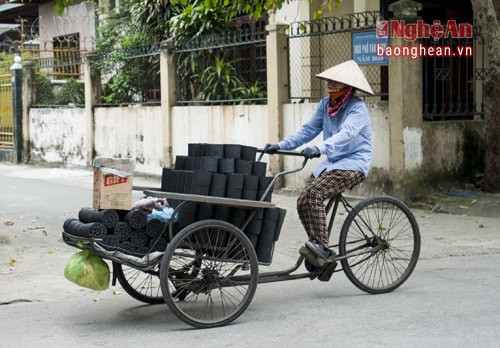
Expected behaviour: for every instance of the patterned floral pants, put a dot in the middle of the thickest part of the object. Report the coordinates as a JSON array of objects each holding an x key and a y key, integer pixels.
[{"x": 311, "y": 202}]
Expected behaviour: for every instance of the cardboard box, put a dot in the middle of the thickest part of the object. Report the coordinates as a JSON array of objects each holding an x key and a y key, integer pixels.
[{"x": 113, "y": 181}]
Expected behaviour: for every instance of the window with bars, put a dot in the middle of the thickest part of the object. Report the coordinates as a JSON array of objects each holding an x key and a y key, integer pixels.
[{"x": 67, "y": 56}]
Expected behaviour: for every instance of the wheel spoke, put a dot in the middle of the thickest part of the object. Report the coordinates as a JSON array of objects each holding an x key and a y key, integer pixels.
[
  {"x": 387, "y": 229},
  {"x": 207, "y": 295},
  {"x": 141, "y": 285}
]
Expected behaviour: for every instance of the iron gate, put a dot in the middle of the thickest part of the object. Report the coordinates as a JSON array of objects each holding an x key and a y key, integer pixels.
[{"x": 6, "y": 117}]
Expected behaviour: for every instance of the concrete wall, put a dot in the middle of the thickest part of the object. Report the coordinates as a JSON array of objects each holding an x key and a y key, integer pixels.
[
  {"x": 77, "y": 18},
  {"x": 58, "y": 135},
  {"x": 445, "y": 149}
]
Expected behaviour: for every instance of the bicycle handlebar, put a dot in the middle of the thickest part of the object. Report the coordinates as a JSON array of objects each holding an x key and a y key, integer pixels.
[
  {"x": 285, "y": 172},
  {"x": 282, "y": 152}
]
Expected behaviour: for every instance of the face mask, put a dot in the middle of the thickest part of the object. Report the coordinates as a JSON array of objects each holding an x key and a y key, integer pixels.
[{"x": 338, "y": 94}]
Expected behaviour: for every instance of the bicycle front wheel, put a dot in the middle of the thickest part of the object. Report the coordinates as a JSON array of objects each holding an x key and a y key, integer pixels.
[
  {"x": 209, "y": 273},
  {"x": 380, "y": 241}
]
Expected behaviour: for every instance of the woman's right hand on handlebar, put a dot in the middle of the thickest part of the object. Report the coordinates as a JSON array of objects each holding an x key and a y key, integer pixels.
[
  {"x": 311, "y": 152},
  {"x": 271, "y": 148}
]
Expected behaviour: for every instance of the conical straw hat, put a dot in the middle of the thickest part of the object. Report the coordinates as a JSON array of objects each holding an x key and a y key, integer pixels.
[{"x": 348, "y": 73}]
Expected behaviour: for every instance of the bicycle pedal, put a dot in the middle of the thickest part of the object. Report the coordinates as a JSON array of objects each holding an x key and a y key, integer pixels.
[
  {"x": 311, "y": 256},
  {"x": 326, "y": 272}
]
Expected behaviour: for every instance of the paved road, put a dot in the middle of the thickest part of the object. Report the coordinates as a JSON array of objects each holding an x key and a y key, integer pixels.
[{"x": 452, "y": 299}]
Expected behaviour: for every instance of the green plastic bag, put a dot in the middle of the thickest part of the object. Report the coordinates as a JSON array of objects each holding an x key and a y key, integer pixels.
[{"x": 88, "y": 270}]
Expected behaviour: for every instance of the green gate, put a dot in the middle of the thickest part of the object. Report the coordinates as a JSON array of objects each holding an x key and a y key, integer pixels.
[{"x": 6, "y": 117}]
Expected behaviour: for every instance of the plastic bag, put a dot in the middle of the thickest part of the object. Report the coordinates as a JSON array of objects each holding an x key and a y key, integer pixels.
[
  {"x": 88, "y": 270},
  {"x": 148, "y": 204},
  {"x": 163, "y": 215}
]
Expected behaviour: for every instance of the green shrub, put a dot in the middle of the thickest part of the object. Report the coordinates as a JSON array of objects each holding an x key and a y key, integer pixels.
[
  {"x": 72, "y": 92},
  {"x": 44, "y": 93}
]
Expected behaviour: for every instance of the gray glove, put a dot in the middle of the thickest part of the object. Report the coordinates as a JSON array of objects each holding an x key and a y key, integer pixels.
[
  {"x": 311, "y": 152},
  {"x": 271, "y": 148}
]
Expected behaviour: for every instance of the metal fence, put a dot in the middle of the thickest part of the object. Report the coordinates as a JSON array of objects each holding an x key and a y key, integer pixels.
[
  {"x": 6, "y": 126},
  {"x": 130, "y": 75},
  {"x": 58, "y": 64},
  {"x": 59, "y": 59},
  {"x": 223, "y": 69},
  {"x": 316, "y": 45}
]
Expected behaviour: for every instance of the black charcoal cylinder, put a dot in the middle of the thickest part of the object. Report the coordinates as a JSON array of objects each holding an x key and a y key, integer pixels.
[
  {"x": 136, "y": 219},
  {"x": 250, "y": 187},
  {"x": 180, "y": 181},
  {"x": 243, "y": 167},
  {"x": 122, "y": 231},
  {"x": 234, "y": 185},
  {"x": 70, "y": 226},
  {"x": 139, "y": 238},
  {"x": 180, "y": 162},
  {"x": 264, "y": 182},
  {"x": 215, "y": 150},
  {"x": 259, "y": 168},
  {"x": 192, "y": 163},
  {"x": 218, "y": 185},
  {"x": 222, "y": 212},
  {"x": 238, "y": 216},
  {"x": 187, "y": 215},
  {"x": 204, "y": 212},
  {"x": 264, "y": 252},
  {"x": 111, "y": 241},
  {"x": 272, "y": 223},
  {"x": 197, "y": 149},
  {"x": 94, "y": 230},
  {"x": 142, "y": 250},
  {"x": 155, "y": 227},
  {"x": 158, "y": 244},
  {"x": 209, "y": 164},
  {"x": 255, "y": 225},
  {"x": 248, "y": 153},
  {"x": 168, "y": 180},
  {"x": 201, "y": 183},
  {"x": 227, "y": 165},
  {"x": 127, "y": 246},
  {"x": 254, "y": 238},
  {"x": 232, "y": 151},
  {"x": 107, "y": 217},
  {"x": 188, "y": 181}
]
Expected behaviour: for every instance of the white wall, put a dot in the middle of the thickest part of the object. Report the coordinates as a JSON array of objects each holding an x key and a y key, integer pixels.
[
  {"x": 134, "y": 131},
  {"x": 77, "y": 18},
  {"x": 238, "y": 124},
  {"x": 58, "y": 135}
]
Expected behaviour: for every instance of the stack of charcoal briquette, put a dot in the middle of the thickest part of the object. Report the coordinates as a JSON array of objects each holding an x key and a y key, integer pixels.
[
  {"x": 231, "y": 171},
  {"x": 129, "y": 231}
]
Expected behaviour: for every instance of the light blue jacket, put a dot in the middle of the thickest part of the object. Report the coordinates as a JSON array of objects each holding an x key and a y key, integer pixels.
[{"x": 347, "y": 137}]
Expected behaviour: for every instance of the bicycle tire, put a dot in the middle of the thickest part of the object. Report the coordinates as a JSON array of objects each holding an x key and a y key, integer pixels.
[
  {"x": 143, "y": 286},
  {"x": 209, "y": 274},
  {"x": 386, "y": 223}
]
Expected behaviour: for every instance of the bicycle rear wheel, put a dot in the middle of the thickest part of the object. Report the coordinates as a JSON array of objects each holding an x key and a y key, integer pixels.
[
  {"x": 382, "y": 241},
  {"x": 209, "y": 274}
]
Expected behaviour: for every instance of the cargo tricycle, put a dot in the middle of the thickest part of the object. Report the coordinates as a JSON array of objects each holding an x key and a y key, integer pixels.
[{"x": 209, "y": 272}]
